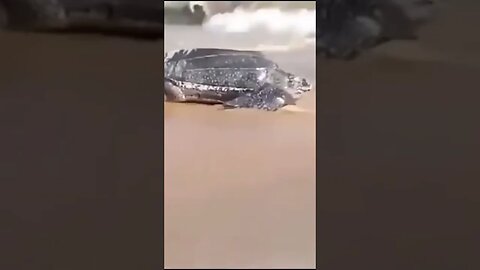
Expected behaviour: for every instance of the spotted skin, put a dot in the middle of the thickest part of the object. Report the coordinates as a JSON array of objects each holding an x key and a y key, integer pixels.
[{"x": 236, "y": 79}]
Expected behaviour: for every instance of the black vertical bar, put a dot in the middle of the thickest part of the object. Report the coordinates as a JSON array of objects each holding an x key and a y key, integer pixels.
[
  {"x": 162, "y": 98},
  {"x": 318, "y": 14}
]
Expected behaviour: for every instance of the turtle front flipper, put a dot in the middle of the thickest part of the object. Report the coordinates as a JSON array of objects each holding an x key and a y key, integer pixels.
[
  {"x": 268, "y": 98},
  {"x": 239, "y": 102}
]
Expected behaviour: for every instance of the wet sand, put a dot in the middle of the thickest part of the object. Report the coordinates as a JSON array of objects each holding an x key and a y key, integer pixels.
[
  {"x": 240, "y": 184},
  {"x": 239, "y": 188}
]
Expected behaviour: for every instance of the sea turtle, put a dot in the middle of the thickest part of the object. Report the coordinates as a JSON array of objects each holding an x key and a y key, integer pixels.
[{"x": 233, "y": 78}]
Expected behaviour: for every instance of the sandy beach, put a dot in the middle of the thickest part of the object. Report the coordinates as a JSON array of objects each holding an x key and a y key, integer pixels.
[
  {"x": 240, "y": 184},
  {"x": 381, "y": 117}
]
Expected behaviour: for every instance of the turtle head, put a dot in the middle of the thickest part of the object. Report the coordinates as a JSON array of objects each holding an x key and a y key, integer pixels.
[{"x": 297, "y": 86}]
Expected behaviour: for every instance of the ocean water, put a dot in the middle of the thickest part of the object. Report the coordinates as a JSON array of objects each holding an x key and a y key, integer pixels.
[
  {"x": 265, "y": 26},
  {"x": 291, "y": 25}
]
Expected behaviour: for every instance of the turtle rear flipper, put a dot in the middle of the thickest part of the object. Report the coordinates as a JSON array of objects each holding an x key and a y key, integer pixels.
[{"x": 173, "y": 93}]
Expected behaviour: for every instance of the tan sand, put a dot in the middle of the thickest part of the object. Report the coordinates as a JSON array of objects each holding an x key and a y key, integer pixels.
[
  {"x": 240, "y": 184},
  {"x": 239, "y": 188}
]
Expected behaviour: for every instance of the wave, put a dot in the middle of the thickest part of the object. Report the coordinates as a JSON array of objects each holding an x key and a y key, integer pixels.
[{"x": 291, "y": 25}]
